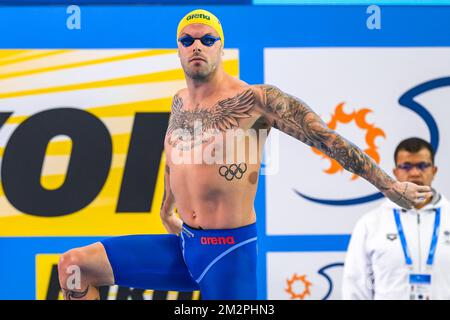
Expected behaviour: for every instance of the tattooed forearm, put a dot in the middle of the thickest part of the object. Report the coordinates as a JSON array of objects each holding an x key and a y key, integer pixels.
[
  {"x": 401, "y": 196},
  {"x": 295, "y": 117}
]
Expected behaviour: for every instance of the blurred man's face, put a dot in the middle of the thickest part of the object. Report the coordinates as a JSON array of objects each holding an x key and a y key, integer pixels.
[
  {"x": 199, "y": 62},
  {"x": 415, "y": 167}
]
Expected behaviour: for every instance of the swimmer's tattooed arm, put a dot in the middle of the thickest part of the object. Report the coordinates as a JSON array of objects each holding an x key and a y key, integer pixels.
[{"x": 294, "y": 117}]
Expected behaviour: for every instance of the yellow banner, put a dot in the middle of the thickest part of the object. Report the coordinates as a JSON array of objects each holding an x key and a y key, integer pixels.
[{"x": 61, "y": 112}]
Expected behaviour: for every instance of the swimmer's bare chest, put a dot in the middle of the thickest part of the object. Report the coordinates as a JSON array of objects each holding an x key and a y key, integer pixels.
[{"x": 214, "y": 155}]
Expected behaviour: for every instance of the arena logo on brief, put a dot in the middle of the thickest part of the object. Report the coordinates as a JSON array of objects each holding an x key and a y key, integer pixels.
[{"x": 217, "y": 240}]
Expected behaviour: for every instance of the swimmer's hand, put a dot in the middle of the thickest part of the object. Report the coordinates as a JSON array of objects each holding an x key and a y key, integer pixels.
[
  {"x": 172, "y": 223},
  {"x": 408, "y": 194}
]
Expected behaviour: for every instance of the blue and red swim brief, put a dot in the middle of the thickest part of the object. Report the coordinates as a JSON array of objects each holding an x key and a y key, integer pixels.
[{"x": 221, "y": 263}]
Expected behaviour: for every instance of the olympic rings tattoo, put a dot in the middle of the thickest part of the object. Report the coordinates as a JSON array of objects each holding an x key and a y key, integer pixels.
[{"x": 234, "y": 171}]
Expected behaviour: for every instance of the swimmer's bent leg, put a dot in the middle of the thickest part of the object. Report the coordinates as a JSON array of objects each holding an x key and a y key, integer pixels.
[{"x": 149, "y": 262}]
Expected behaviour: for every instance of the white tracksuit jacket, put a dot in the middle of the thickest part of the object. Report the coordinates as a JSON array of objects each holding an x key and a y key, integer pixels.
[{"x": 375, "y": 265}]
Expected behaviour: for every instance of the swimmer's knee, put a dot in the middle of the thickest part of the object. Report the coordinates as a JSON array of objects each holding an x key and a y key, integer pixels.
[
  {"x": 72, "y": 264},
  {"x": 73, "y": 257},
  {"x": 75, "y": 280},
  {"x": 91, "y": 263}
]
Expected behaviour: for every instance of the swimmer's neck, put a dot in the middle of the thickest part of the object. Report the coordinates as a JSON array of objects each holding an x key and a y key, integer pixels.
[{"x": 201, "y": 90}]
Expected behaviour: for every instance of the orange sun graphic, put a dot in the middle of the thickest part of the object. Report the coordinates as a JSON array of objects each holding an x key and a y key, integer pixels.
[
  {"x": 306, "y": 283},
  {"x": 371, "y": 133}
]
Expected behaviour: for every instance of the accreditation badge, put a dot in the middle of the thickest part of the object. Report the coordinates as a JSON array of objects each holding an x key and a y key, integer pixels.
[{"x": 420, "y": 286}]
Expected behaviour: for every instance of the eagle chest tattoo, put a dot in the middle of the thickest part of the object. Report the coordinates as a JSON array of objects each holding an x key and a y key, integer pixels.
[{"x": 190, "y": 128}]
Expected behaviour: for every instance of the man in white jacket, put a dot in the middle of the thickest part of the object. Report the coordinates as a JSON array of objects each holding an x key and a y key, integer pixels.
[{"x": 402, "y": 254}]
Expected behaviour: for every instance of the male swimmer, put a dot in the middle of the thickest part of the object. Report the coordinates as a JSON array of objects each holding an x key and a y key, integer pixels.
[{"x": 212, "y": 242}]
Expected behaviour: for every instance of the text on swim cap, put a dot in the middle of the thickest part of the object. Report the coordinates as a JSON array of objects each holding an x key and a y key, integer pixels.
[{"x": 198, "y": 15}]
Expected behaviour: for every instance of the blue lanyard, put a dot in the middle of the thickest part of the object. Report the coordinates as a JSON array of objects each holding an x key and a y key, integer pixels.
[{"x": 434, "y": 239}]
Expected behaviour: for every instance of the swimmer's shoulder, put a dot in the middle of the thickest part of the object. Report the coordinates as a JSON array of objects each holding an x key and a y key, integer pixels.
[
  {"x": 263, "y": 88},
  {"x": 243, "y": 86},
  {"x": 181, "y": 93},
  {"x": 260, "y": 93},
  {"x": 178, "y": 98},
  {"x": 266, "y": 93}
]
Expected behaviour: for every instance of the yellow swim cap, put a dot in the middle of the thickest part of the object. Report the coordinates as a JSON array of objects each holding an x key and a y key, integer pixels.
[{"x": 203, "y": 17}]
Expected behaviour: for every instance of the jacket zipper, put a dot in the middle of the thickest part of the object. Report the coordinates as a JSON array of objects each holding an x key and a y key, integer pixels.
[{"x": 418, "y": 237}]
